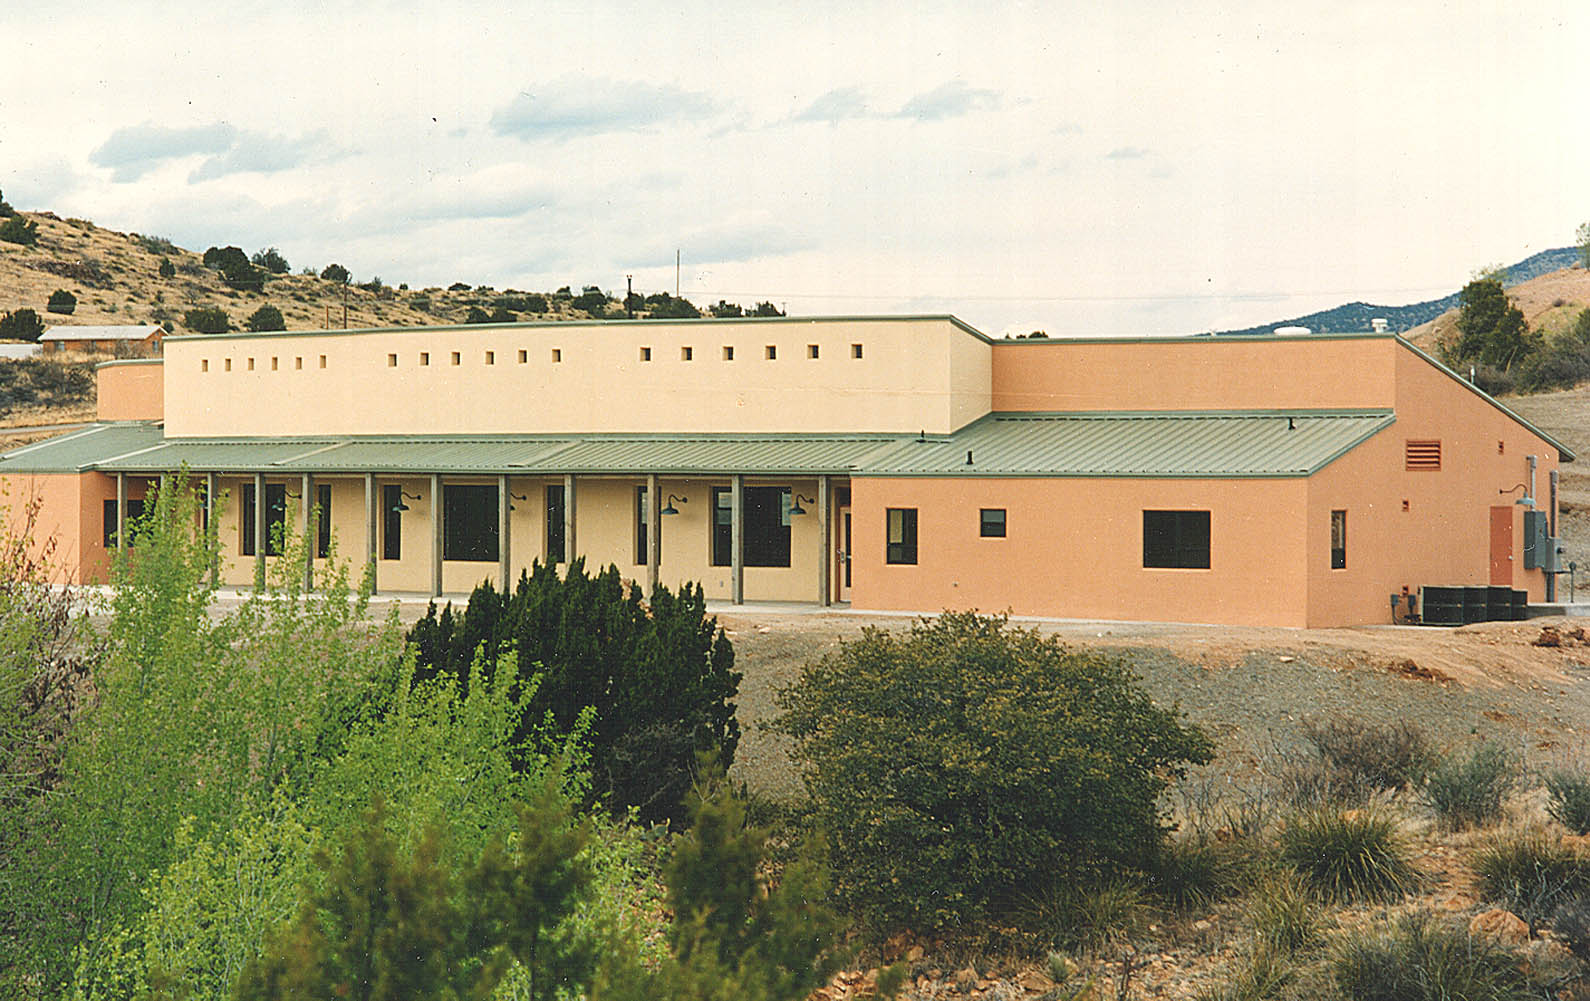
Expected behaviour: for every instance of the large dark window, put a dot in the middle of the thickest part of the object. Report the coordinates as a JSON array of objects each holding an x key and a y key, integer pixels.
[
  {"x": 323, "y": 535},
  {"x": 555, "y": 516},
  {"x": 135, "y": 510},
  {"x": 766, "y": 539},
  {"x": 469, "y": 523},
  {"x": 245, "y": 518},
  {"x": 640, "y": 525},
  {"x": 275, "y": 517},
  {"x": 1338, "y": 540},
  {"x": 900, "y": 541},
  {"x": 392, "y": 522},
  {"x": 1176, "y": 540}
]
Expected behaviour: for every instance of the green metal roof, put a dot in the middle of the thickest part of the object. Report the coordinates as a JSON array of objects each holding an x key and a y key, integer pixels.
[{"x": 1215, "y": 444}]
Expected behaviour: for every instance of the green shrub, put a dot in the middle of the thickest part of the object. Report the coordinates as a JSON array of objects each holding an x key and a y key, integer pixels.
[
  {"x": 1195, "y": 871},
  {"x": 477, "y": 315},
  {"x": 167, "y": 269},
  {"x": 62, "y": 301},
  {"x": 157, "y": 245},
  {"x": 23, "y": 325},
  {"x": 6, "y": 211},
  {"x": 1468, "y": 790},
  {"x": 961, "y": 764},
  {"x": 659, "y": 674},
  {"x": 1376, "y": 757},
  {"x": 1569, "y": 799},
  {"x": 19, "y": 230},
  {"x": 500, "y": 315},
  {"x": 271, "y": 260},
  {"x": 207, "y": 320},
  {"x": 336, "y": 273},
  {"x": 1084, "y": 917},
  {"x": 1530, "y": 873},
  {"x": 1347, "y": 855},
  {"x": 1421, "y": 959},
  {"x": 267, "y": 317}
]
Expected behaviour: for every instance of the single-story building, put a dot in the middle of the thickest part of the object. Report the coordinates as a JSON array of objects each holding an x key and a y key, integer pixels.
[
  {"x": 137, "y": 340},
  {"x": 895, "y": 463}
]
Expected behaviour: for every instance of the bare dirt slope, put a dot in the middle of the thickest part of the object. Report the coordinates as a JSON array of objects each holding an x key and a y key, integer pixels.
[
  {"x": 1565, "y": 415},
  {"x": 1549, "y": 303}
]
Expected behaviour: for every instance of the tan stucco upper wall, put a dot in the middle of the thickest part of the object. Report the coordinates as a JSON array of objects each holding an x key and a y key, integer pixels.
[
  {"x": 1194, "y": 374},
  {"x": 130, "y": 391},
  {"x": 913, "y": 374}
]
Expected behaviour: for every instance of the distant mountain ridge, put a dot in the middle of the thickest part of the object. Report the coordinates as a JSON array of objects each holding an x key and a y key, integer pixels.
[{"x": 1354, "y": 317}]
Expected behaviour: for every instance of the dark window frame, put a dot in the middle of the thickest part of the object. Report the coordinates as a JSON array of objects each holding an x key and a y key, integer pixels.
[
  {"x": 640, "y": 526},
  {"x": 1176, "y": 539},
  {"x": 323, "y": 519},
  {"x": 135, "y": 510},
  {"x": 391, "y": 521},
  {"x": 555, "y": 538},
  {"x": 991, "y": 528},
  {"x": 899, "y": 547},
  {"x": 767, "y": 529},
  {"x": 275, "y": 518},
  {"x": 1339, "y": 539},
  {"x": 246, "y": 543},
  {"x": 469, "y": 523}
]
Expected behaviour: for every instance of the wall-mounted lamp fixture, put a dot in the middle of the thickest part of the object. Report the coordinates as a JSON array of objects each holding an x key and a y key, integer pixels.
[
  {"x": 403, "y": 496},
  {"x": 1526, "y": 500},
  {"x": 795, "y": 506},
  {"x": 670, "y": 509}
]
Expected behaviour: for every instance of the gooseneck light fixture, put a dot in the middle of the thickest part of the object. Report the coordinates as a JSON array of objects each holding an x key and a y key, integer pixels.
[
  {"x": 670, "y": 509},
  {"x": 403, "y": 496},
  {"x": 795, "y": 505}
]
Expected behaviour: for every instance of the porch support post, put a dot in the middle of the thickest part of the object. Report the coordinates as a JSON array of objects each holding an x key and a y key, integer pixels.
[
  {"x": 436, "y": 535},
  {"x": 212, "y": 530},
  {"x": 311, "y": 542},
  {"x": 824, "y": 543},
  {"x": 121, "y": 512},
  {"x": 261, "y": 542},
  {"x": 570, "y": 550},
  {"x": 737, "y": 537},
  {"x": 504, "y": 556},
  {"x": 370, "y": 528},
  {"x": 653, "y": 534}
]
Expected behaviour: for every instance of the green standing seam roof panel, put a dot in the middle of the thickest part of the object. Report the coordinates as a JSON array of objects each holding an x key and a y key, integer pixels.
[{"x": 1217, "y": 444}]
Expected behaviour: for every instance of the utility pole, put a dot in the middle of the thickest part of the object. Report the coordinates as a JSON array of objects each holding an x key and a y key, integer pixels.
[
  {"x": 629, "y": 295},
  {"x": 676, "y": 274}
]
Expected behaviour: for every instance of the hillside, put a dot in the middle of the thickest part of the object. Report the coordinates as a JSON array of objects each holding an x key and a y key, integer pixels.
[
  {"x": 1549, "y": 302},
  {"x": 1355, "y": 316},
  {"x": 116, "y": 279}
]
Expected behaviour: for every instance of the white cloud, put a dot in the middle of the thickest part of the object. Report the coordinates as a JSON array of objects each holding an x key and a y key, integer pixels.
[
  {"x": 133, "y": 151},
  {"x": 579, "y": 106}
]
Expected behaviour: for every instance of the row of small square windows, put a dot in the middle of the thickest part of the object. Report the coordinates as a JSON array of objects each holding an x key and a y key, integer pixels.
[{"x": 686, "y": 353}]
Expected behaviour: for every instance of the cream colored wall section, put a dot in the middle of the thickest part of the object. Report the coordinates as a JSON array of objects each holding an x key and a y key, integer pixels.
[
  {"x": 912, "y": 374},
  {"x": 130, "y": 390}
]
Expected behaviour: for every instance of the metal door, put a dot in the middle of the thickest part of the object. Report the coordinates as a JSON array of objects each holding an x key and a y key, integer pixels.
[{"x": 1502, "y": 546}]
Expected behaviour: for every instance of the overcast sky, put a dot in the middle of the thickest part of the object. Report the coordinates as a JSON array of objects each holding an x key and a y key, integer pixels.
[{"x": 1081, "y": 168}]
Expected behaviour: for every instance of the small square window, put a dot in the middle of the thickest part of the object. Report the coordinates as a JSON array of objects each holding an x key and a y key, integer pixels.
[
  {"x": 728, "y": 352},
  {"x": 811, "y": 351},
  {"x": 251, "y": 364},
  {"x": 645, "y": 354},
  {"x": 227, "y": 364},
  {"x": 855, "y": 350},
  {"x": 322, "y": 361},
  {"x": 772, "y": 352},
  {"x": 274, "y": 363},
  {"x": 524, "y": 356},
  {"x": 298, "y": 362},
  {"x": 491, "y": 357},
  {"x": 557, "y": 355},
  {"x": 204, "y": 364},
  {"x": 391, "y": 361},
  {"x": 992, "y": 523},
  {"x": 457, "y": 358},
  {"x": 686, "y": 353},
  {"x": 425, "y": 357}
]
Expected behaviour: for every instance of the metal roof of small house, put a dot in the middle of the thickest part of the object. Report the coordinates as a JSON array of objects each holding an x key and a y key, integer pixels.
[{"x": 86, "y": 333}]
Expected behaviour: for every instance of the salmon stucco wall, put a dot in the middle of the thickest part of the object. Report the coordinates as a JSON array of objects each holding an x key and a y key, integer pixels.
[
  {"x": 1074, "y": 549},
  {"x": 1194, "y": 374},
  {"x": 130, "y": 390},
  {"x": 68, "y": 531}
]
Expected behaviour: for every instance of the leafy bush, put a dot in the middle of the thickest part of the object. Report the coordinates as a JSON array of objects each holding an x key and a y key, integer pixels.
[
  {"x": 267, "y": 317},
  {"x": 23, "y": 325},
  {"x": 207, "y": 320},
  {"x": 271, "y": 260},
  {"x": 1371, "y": 756},
  {"x": 659, "y": 675},
  {"x": 62, "y": 301},
  {"x": 167, "y": 269},
  {"x": 1564, "y": 362},
  {"x": 1421, "y": 959},
  {"x": 1568, "y": 802},
  {"x": 965, "y": 763},
  {"x": 1346, "y": 855},
  {"x": 1467, "y": 791},
  {"x": 19, "y": 230},
  {"x": 1530, "y": 873}
]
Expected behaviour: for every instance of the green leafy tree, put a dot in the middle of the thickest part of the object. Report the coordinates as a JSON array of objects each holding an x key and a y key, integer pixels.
[
  {"x": 271, "y": 260},
  {"x": 726, "y": 310},
  {"x": 267, "y": 317},
  {"x": 336, "y": 273},
  {"x": 767, "y": 309},
  {"x": 207, "y": 320},
  {"x": 6, "y": 211},
  {"x": 22, "y": 325},
  {"x": 19, "y": 230},
  {"x": 662, "y": 306},
  {"x": 965, "y": 764},
  {"x": 658, "y": 675},
  {"x": 235, "y": 268},
  {"x": 593, "y": 300},
  {"x": 62, "y": 301},
  {"x": 167, "y": 269},
  {"x": 1491, "y": 330},
  {"x": 1582, "y": 238}
]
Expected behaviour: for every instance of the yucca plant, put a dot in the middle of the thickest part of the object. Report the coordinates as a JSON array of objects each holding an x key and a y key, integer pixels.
[{"x": 1349, "y": 855}]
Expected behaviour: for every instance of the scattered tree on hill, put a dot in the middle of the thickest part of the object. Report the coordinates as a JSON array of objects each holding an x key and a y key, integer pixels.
[
  {"x": 62, "y": 301},
  {"x": 1582, "y": 237},
  {"x": 726, "y": 310},
  {"x": 373, "y": 285},
  {"x": 336, "y": 273},
  {"x": 235, "y": 268},
  {"x": 766, "y": 309},
  {"x": 207, "y": 320},
  {"x": 501, "y": 315},
  {"x": 267, "y": 317},
  {"x": 458, "y": 287},
  {"x": 662, "y": 306},
  {"x": 167, "y": 269},
  {"x": 6, "y": 211},
  {"x": 593, "y": 300},
  {"x": 23, "y": 325},
  {"x": 477, "y": 315},
  {"x": 19, "y": 230},
  {"x": 271, "y": 260},
  {"x": 1491, "y": 330}
]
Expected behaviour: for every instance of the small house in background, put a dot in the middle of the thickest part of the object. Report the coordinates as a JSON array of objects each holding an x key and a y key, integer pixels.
[{"x": 134, "y": 341}]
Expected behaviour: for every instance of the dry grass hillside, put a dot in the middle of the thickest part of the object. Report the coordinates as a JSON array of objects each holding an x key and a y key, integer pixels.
[
  {"x": 1549, "y": 304},
  {"x": 116, "y": 279}
]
